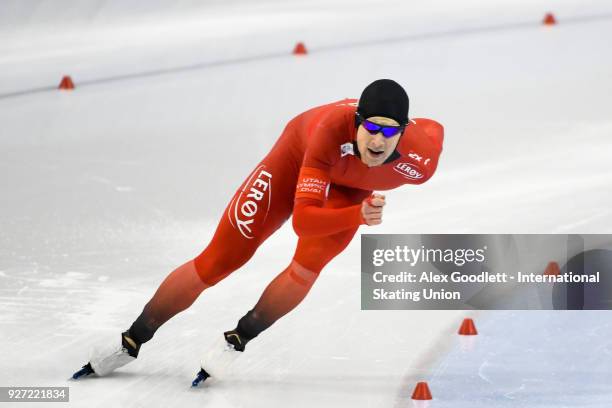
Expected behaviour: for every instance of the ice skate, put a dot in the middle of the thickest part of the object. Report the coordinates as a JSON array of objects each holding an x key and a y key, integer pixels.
[
  {"x": 104, "y": 360},
  {"x": 217, "y": 362}
]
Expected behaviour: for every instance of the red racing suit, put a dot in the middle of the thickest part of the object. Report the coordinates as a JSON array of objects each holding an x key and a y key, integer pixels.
[{"x": 314, "y": 173}]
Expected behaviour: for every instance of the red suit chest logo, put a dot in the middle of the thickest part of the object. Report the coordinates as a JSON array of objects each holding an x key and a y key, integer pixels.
[{"x": 409, "y": 170}]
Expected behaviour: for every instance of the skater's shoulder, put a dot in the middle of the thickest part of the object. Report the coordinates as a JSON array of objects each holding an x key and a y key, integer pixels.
[
  {"x": 338, "y": 117},
  {"x": 335, "y": 112},
  {"x": 342, "y": 105},
  {"x": 423, "y": 133},
  {"x": 419, "y": 149}
]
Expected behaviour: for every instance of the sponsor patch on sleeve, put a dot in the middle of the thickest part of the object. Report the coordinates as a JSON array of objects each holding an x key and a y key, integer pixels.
[
  {"x": 312, "y": 183},
  {"x": 410, "y": 171}
]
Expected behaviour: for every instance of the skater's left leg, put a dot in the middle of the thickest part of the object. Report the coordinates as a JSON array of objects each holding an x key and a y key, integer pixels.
[
  {"x": 285, "y": 291},
  {"x": 281, "y": 296},
  {"x": 292, "y": 285}
]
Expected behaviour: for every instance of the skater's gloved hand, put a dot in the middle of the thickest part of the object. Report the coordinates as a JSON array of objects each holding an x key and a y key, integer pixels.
[{"x": 372, "y": 209}]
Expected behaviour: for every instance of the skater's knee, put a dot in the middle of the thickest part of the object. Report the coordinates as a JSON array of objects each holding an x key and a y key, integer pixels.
[
  {"x": 313, "y": 255},
  {"x": 209, "y": 272},
  {"x": 303, "y": 276},
  {"x": 215, "y": 264}
]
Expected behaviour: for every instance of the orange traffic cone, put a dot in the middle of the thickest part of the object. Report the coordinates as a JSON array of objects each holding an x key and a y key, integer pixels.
[
  {"x": 549, "y": 19},
  {"x": 468, "y": 328},
  {"x": 421, "y": 391},
  {"x": 552, "y": 269},
  {"x": 66, "y": 83},
  {"x": 300, "y": 49}
]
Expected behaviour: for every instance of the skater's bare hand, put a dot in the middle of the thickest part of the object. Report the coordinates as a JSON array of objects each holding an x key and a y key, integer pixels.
[{"x": 372, "y": 209}]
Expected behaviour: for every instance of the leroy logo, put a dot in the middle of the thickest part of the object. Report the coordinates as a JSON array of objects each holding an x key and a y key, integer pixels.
[
  {"x": 250, "y": 207},
  {"x": 409, "y": 170}
]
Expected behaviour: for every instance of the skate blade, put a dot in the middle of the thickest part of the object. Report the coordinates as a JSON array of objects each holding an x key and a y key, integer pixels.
[
  {"x": 83, "y": 372},
  {"x": 200, "y": 377}
]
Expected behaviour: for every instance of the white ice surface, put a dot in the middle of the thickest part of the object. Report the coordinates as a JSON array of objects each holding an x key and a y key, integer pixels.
[
  {"x": 541, "y": 359},
  {"x": 107, "y": 188}
]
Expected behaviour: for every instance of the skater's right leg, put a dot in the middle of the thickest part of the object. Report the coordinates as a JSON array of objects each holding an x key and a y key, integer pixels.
[
  {"x": 183, "y": 286},
  {"x": 251, "y": 217},
  {"x": 176, "y": 293}
]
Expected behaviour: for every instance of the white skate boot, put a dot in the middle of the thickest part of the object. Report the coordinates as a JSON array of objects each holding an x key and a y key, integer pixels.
[
  {"x": 104, "y": 360},
  {"x": 217, "y": 362}
]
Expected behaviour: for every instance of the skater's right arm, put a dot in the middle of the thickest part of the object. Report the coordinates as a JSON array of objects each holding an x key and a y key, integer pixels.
[
  {"x": 310, "y": 218},
  {"x": 310, "y": 215}
]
